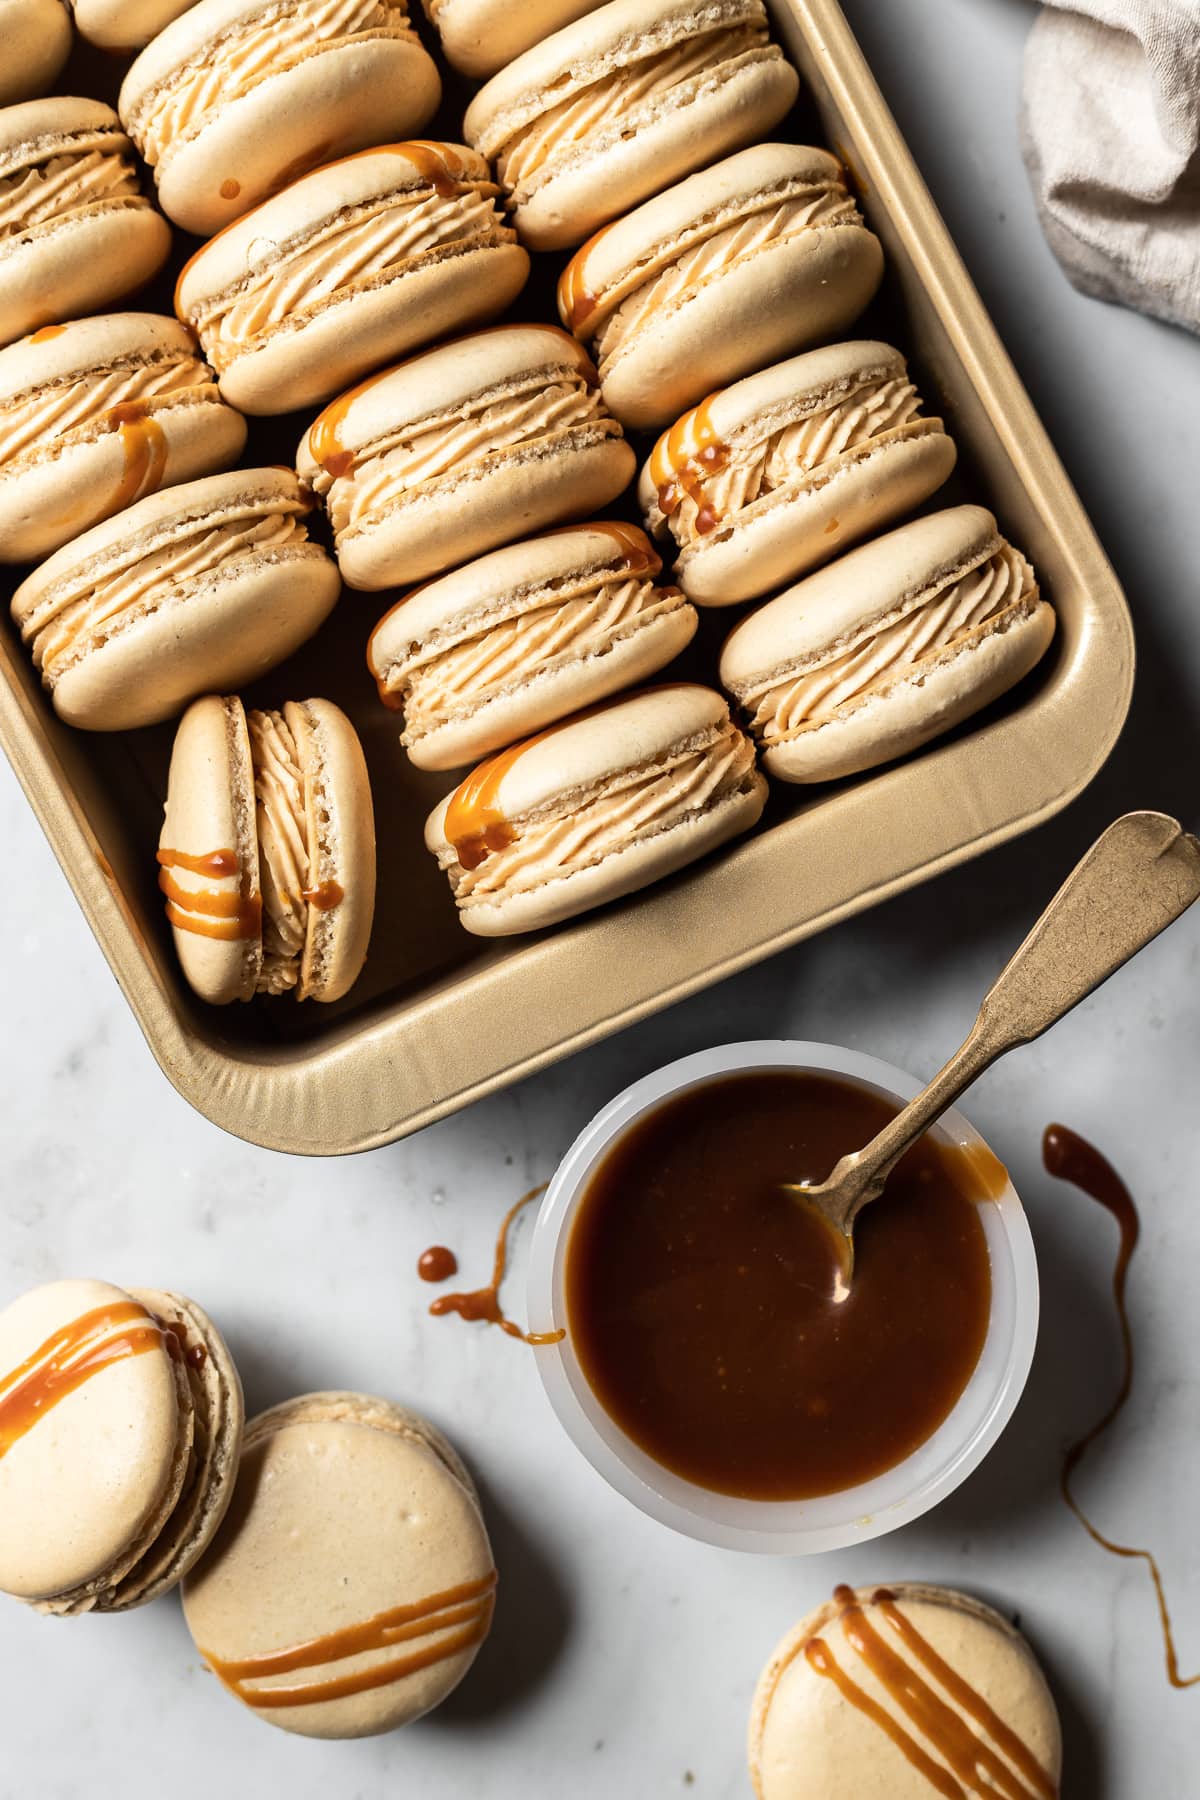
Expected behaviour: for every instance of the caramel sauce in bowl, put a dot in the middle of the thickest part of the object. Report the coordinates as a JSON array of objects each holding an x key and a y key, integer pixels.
[{"x": 630, "y": 1432}]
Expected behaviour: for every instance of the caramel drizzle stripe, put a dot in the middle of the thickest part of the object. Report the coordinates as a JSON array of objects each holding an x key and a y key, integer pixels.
[
  {"x": 952, "y": 1736},
  {"x": 314, "y": 1693},
  {"x": 65, "y": 1361},
  {"x": 821, "y": 1658}
]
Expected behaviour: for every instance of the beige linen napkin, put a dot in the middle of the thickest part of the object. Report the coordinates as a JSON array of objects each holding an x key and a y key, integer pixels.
[{"x": 1111, "y": 135}]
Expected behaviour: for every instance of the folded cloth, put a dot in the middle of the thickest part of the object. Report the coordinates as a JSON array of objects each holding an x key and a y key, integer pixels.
[{"x": 1111, "y": 136}]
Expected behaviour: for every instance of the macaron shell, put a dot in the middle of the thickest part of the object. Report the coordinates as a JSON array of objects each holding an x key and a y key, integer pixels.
[
  {"x": 210, "y": 807},
  {"x": 81, "y": 264},
  {"x": 125, "y": 24},
  {"x": 808, "y": 1743},
  {"x": 341, "y": 828},
  {"x": 481, "y": 36},
  {"x": 35, "y": 41},
  {"x": 90, "y": 1483},
  {"x": 334, "y": 1522}
]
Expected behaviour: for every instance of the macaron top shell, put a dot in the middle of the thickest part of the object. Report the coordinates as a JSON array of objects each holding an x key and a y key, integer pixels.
[
  {"x": 355, "y": 1543},
  {"x": 903, "y": 1692},
  {"x": 125, "y": 24},
  {"x": 59, "y": 352},
  {"x": 481, "y": 36},
  {"x": 85, "y": 1486},
  {"x": 35, "y": 41}
]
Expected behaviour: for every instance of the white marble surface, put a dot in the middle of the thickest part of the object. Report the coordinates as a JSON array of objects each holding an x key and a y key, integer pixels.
[{"x": 623, "y": 1658}]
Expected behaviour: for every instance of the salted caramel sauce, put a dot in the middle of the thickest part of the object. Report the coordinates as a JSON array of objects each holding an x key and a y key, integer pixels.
[
  {"x": 209, "y": 912},
  {"x": 324, "y": 896},
  {"x": 468, "y": 1606},
  {"x": 1071, "y": 1158},
  {"x": 682, "y": 461},
  {"x": 576, "y": 301},
  {"x": 46, "y": 331},
  {"x": 483, "y": 1304},
  {"x": 76, "y": 1352},
  {"x": 144, "y": 445},
  {"x": 230, "y": 189},
  {"x": 437, "y": 1263}
]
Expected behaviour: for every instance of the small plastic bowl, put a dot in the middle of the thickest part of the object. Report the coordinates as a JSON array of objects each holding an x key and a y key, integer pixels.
[{"x": 784, "y": 1527}]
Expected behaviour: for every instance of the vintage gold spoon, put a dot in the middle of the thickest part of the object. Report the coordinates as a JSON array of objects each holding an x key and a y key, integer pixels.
[{"x": 1134, "y": 881}]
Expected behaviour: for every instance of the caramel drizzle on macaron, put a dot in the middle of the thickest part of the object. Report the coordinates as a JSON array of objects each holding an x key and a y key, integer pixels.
[
  {"x": 463, "y": 1612},
  {"x": 144, "y": 445},
  {"x": 682, "y": 461},
  {"x": 324, "y": 896},
  {"x": 209, "y": 912},
  {"x": 76, "y": 1351},
  {"x": 46, "y": 331},
  {"x": 950, "y": 1732},
  {"x": 576, "y": 300}
]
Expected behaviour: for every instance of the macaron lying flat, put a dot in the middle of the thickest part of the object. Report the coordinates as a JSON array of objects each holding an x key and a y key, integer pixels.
[
  {"x": 76, "y": 231},
  {"x": 202, "y": 586},
  {"x": 461, "y": 449},
  {"x": 120, "y": 1424},
  {"x": 35, "y": 41},
  {"x": 125, "y": 24},
  {"x": 480, "y": 36},
  {"x": 352, "y": 1583},
  {"x": 596, "y": 807},
  {"x": 236, "y": 98},
  {"x": 522, "y": 637},
  {"x": 742, "y": 263},
  {"x": 906, "y": 1692},
  {"x": 267, "y": 850},
  {"x": 349, "y": 268},
  {"x": 97, "y": 414},
  {"x": 898, "y": 641},
  {"x": 781, "y": 471},
  {"x": 623, "y": 102}
]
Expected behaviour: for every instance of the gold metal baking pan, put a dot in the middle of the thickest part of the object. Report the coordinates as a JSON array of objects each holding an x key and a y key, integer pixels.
[{"x": 438, "y": 1019}]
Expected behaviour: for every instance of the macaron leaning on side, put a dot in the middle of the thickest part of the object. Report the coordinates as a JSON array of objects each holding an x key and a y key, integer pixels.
[
  {"x": 97, "y": 414},
  {"x": 79, "y": 233},
  {"x": 598, "y": 806},
  {"x": 622, "y": 103},
  {"x": 897, "y": 642},
  {"x": 35, "y": 41},
  {"x": 120, "y": 1427},
  {"x": 348, "y": 268},
  {"x": 198, "y": 587},
  {"x": 235, "y": 98},
  {"x": 267, "y": 850}
]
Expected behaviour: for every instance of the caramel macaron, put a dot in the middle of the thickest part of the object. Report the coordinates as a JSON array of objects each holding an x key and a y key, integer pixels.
[
  {"x": 199, "y": 587},
  {"x": 35, "y": 41},
  {"x": 761, "y": 255},
  {"x": 267, "y": 850},
  {"x": 78, "y": 233},
  {"x": 598, "y": 806},
  {"x": 480, "y": 36},
  {"x": 120, "y": 1425},
  {"x": 522, "y": 637},
  {"x": 895, "y": 643},
  {"x": 352, "y": 1582},
  {"x": 349, "y": 268},
  {"x": 97, "y": 414},
  {"x": 905, "y": 1691},
  {"x": 125, "y": 24},
  {"x": 780, "y": 472},
  {"x": 235, "y": 98},
  {"x": 622, "y": 103},
  {"x": 461, "y": 449}
]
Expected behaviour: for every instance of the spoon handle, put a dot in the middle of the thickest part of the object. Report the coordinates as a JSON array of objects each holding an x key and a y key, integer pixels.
[{"x": 1136, "y": 878}]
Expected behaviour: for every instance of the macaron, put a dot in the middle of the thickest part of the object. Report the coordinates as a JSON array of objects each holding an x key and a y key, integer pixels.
[
  {"x": 201, "y": 586},
  {"x": 781, "y": 471},
  {"x": 349, "y": 268},
  {"x": 461, "y": 449},
  {"x": 763, "y": 254},
  {"x": 125, "y": 24},
  {"x": 905, "y": 1691},
  {"x": 598, "y": 806},
  {"x": 97, "y": 414},
  {"x": 35, "y": 41},
  {"x": 622, "y": 103},
  {"x": 893, "y": 644},
  {"x": 352, "y": 1583},
  {"x": 120, "y": 1425},
  {"x": 524, "y": 636},
  {"x": 235, "y": 98},
  {"x": 267, "y": 850},
  {"x": 480, "y": 36},
  {"x": 77, "y": 232}
]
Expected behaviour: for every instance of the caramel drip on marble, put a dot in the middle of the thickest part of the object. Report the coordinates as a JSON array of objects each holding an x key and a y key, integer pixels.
[
  {"x": 467, "y": 1608},
  {"x": 76, "y": 1352},
  {"x": 1071, "y": 1158},
  {"x": 209, "y": 912},
  {"x": 682, "y": 461},
  {"x": 484, "y": 1303}
]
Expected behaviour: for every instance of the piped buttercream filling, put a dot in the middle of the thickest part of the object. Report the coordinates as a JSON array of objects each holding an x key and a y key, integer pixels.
[
  {"x": 620, "y": 101},
  {"x": 68, "y": 180},
  {"x": 576, "y": 833},
  {"x": 784, "y": 704},
  {"x": 546, "y": 406},
  {"x": 38, "y": 423},
  {"x": 266, "y": 44},
  {"x": 282, "y": 816},
  {"x": 502, "y": 654},
  {"x": 353, "y": 251}
]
